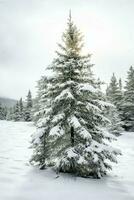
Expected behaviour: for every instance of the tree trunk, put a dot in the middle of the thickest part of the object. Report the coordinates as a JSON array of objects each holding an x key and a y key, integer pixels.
[{"x": 72, "y": 136}]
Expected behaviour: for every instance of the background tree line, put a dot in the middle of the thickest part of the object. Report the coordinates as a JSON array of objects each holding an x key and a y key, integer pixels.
[{"x": 21, "y": 111}]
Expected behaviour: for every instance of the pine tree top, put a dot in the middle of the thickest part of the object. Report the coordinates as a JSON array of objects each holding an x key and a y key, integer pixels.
[
  {"x": 129, "y": 88},
  {"x": 114, "y": 91},
  {"x": 72, "y": 40}
]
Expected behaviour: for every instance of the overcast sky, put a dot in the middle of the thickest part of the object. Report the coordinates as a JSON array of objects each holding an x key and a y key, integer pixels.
[{"x": 31, "y": 29}]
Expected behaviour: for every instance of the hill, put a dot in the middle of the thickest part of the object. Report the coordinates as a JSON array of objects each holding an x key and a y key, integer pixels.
[{"x": 7, "y": 101}]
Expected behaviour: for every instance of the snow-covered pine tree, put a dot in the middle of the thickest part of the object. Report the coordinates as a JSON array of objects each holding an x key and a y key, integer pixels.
[
  {"x": 114, "y": 92},
  {"x": 128, "y": 102},
  {"x": 28, "y": 107},
  {"x": 116, "y": 125},
  {"x": 114, "y": 113},
  {"x": 40, "y": 100},
  {"x": 21, "y": 109},
  {"x": 120, "y": 85},
  {"x": 70, "y": 135},
  {"x": 3, "y": 112},
  {"x": 16, "y": 112},
  {"x": 10, "y": 114}
]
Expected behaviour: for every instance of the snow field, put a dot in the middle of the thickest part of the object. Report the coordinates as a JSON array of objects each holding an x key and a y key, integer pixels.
[{"x": 20, "y": 181}]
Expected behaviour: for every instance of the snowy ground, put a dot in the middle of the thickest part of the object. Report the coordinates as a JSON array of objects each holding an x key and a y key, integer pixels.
[{"x": 20, "y": 181}]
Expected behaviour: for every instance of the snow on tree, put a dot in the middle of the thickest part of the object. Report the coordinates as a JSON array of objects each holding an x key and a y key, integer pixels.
[
  {"x": 21, "y": 112},
  {"x": 28, "y": 107},
  {"x": 128, "y": 102},
  {"x": 70, "y": 134},
  {"x": 10, "y": 114},
  {"x": 120, "y": 85},
  {"x": 21, "y": 109},
  {"x": 115, "y": 126},
  {"x": 40, "y": 100},
  {"x": 16, "y": 113},
  {"x": 114, "y": 91},
  {"x": 3, "y": 112},
  {"x": 114, "y": 113}
]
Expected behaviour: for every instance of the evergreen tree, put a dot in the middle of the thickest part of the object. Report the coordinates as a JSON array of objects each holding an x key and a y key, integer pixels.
[
  {"x": 120, "y": 85},
  {"x": 16, "y": 113},
  {"x": 28, "y": 108},
  {"x": 114, "y": 95},
  {"x": 29, "y": 100},
  {"x": 114, "y": 92},
  {"x": 5, "y": 109},
  {"x": 3, "y": 112},
  {"x": 10, "y": 114},
  {"x": 69, "y": 133},
  {"x": 128, "y": 101},
  {"x": 40, "y": 99},
  {"x": 21, "y": 109},
  {"x": 116, "y": 125}
]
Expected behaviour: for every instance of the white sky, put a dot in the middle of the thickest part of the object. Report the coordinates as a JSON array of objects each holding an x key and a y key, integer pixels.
[{"x": 30, "y": 30}]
